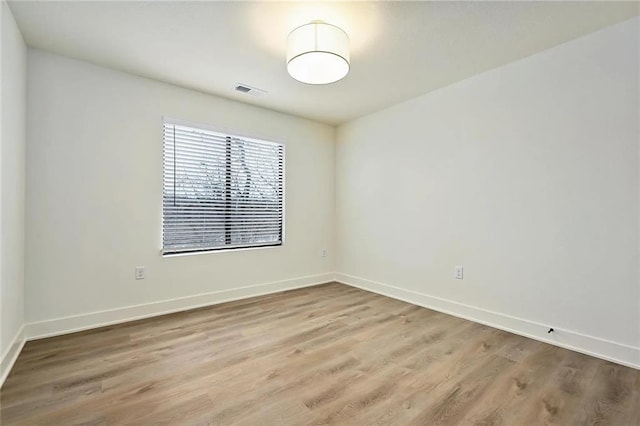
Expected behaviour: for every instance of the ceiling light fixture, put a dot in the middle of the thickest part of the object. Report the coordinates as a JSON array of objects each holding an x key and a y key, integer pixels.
[{"x": 318, "y": 53}]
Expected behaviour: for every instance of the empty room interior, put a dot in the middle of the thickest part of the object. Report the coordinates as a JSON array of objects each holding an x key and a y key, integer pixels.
[{"x": 306, "y": 213}]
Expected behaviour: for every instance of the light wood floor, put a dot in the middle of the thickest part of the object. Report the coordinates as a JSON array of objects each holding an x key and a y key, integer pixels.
[{"x": 329, "y": 354}]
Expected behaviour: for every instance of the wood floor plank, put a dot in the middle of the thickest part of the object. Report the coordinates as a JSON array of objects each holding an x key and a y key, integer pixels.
[{"x": 329, "y": 354}]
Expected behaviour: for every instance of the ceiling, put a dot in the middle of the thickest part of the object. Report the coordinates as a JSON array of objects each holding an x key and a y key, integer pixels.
[{"x": 399, "y": 50}]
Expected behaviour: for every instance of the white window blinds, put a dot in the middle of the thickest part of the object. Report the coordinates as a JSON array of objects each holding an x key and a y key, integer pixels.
[{"x": 220, "y": 191}]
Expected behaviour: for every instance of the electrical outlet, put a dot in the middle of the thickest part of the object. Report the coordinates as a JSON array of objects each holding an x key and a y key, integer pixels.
[
  {"x": 139, "y": 272},
  {"x": 323, "y": 253},
  {"x": 459, "y": 273}
]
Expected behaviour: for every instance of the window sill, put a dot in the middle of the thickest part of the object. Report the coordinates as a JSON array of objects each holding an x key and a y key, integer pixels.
[{"x": 229, "y": 250}]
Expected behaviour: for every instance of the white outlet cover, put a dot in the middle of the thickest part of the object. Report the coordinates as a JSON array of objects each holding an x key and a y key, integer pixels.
[
  {"x": 459, "y": 272},
  {"x": 139, "y": 272}
]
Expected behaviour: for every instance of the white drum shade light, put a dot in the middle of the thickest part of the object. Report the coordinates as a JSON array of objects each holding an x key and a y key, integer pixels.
[{"x": 318, "y": 53}]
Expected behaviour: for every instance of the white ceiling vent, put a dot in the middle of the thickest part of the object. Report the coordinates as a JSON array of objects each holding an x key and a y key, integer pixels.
[{"x": 245, "y": 88}]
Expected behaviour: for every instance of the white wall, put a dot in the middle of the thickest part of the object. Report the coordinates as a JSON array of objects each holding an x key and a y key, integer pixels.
[
  {"x": 528, "y": 176},
  {"x": 94, "y": 181},
  {"x": 12, "y": 188}
]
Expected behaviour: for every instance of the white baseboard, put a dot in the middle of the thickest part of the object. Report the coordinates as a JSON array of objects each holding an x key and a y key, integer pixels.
[
  {"x": 58, "y": 326},
  {"x": 590, "y": 345},
  {"x": 11, "y": 355}
]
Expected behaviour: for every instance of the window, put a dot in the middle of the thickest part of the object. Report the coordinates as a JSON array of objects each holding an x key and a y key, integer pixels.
[{"x": 220, "y": 191}]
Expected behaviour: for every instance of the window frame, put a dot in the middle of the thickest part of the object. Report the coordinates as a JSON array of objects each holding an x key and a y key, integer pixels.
[{"x": 228, "y": 134}]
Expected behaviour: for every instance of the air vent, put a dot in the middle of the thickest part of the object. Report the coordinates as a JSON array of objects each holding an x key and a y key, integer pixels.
[{"x": 245, "y": 88}]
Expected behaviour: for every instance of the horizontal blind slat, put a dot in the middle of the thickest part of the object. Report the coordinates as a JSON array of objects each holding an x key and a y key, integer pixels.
[{"x": 204, "y": 248}]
